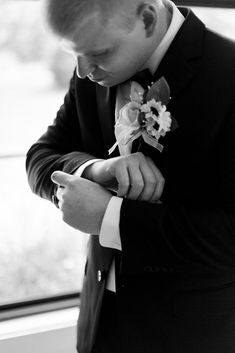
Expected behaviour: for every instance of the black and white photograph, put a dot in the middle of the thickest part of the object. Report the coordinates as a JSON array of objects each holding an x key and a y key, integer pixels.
[{"x": 117, "y": 174}]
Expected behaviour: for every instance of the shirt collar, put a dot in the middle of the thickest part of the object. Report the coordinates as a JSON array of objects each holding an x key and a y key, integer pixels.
[{"x": 176, "y": 22}]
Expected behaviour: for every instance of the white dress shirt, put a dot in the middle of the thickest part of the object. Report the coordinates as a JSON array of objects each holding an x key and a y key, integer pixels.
[{"x": 109, "y": 233}]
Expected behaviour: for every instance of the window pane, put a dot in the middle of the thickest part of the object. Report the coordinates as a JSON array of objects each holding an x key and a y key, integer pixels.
[
  {"x": 220, "y": 20},
  {"x": 40, "y": 255}
]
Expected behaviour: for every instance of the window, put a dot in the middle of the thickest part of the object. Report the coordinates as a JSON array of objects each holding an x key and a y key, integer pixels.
[
  {"x": 40, "y": 256},
  {"x": 209, "y": 3},
  {"x": 220, "y": 20}
]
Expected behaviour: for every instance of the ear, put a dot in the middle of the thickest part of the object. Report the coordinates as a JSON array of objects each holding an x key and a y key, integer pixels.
[{"x": 148, "y": 14}]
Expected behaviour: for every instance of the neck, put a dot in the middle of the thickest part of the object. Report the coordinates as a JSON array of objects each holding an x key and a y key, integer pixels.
[{"x": 163, "y": 23}]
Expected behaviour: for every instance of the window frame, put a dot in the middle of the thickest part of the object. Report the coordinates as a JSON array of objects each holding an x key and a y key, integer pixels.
[
  {"x": 40, "y": 305},
  {"x": 230, "y": 4}
]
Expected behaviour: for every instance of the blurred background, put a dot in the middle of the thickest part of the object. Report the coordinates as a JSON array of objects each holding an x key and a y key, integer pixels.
[{"x": 40, "y": 256}]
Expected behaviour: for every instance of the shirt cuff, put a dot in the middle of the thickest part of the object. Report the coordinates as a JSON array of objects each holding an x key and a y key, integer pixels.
[
  {"x": 78, "y": 172},
  {"x": 109, "y": 232}
]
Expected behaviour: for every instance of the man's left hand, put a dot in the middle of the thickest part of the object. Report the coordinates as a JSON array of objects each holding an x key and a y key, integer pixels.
[{"x": 83, "y": 203}]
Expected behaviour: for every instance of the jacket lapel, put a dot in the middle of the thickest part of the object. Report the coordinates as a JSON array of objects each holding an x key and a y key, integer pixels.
[
  {"x": 182, "y": 59},
  {"x": 106, "y": 107}
]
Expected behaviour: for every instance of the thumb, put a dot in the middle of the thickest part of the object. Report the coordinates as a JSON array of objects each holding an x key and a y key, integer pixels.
[{"x": 61, "y": 178}]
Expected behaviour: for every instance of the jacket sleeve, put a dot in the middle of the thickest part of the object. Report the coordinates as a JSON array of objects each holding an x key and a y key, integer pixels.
[
  {"x": 171, "y": 237},
  {"x": 60, "y": 148}
]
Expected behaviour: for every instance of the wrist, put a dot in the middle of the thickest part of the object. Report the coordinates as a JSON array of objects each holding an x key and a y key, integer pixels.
[
  {"x": 88, "y": 172},
  {"x": 91, "y": 172}
]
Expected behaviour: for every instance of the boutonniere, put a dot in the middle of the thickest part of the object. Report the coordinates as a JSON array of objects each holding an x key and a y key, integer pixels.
[{"x": 145, "y": 115}]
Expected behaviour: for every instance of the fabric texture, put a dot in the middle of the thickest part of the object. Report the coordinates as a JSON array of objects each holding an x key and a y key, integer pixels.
[{"x": 108, "y": 338}]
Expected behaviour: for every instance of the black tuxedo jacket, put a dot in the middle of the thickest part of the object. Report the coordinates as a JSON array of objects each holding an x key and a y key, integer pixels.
[{"x": 176, "y": 274}]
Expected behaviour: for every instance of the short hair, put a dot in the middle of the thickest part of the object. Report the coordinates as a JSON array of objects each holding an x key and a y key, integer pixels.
[{"x": 64, "y": 15}]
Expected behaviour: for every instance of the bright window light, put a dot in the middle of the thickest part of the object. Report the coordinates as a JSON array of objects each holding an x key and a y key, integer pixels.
[{"x": 40, "y": 256}]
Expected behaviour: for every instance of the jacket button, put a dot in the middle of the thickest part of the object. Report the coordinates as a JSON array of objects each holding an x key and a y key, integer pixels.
[{"x": 99, "y": 275}]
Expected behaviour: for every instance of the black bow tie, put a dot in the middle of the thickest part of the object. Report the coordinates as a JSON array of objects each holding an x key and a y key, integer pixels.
[{"x": 144, "y": 78}]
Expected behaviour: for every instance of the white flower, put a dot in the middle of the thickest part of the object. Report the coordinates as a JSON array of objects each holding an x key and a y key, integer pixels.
[
  {"x": 145, "y": 108},
  {"x": 128, "y": 114},
  {"x": 164, "y": 121},
  {"x": 154, "y": 104},
  {"x": 127, "y": 124},
  {"x": 150, "y": 120},
  {"x": 137, "y": 92}
]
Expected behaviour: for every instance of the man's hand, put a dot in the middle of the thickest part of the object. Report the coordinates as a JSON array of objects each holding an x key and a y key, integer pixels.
[
  {"x": 82, "y": 202},
  {"x": 133, "y": 176}
]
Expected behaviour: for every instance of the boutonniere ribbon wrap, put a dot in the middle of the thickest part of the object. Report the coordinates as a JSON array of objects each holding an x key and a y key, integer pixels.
[{"x": 145, "y": 116}]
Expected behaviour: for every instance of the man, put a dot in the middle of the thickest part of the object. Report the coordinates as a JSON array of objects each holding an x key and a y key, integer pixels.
[{"x": 160, "y": 272}]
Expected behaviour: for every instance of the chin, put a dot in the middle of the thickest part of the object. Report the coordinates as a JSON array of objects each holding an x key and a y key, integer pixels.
[
  {"x": 110, "y": 82},
  {"x": 107, "y": 83}
]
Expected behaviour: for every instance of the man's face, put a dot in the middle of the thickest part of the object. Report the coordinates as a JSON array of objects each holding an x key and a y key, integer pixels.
[{"x": 109, "y": 54}]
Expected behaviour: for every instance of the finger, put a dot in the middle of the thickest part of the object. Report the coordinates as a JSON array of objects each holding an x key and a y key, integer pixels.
[
  {"x": 159, "y": 187},
  {"x": 159, "y": 190},
  {"x": 61, "y": 178},
  {"x": 136, "y": 182},
  {"x": 122, "y": 177},
  {"x": 150, "y": 182},
  {"x": 59, "y": 192}
]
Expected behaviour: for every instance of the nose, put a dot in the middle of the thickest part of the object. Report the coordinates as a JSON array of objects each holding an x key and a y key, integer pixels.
[{"x": 84, "y": 67}]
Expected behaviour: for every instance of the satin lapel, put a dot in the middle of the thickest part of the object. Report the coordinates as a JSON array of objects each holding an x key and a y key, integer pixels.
[
  {"x": 106, "y": 108},
  {"x": 182, "y": 59}
]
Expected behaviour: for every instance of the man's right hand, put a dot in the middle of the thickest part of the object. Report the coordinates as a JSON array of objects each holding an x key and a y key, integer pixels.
[{"x": 133, "y": 176}]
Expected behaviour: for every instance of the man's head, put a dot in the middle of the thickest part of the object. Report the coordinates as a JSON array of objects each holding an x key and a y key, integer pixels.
[{"x": 112, "y": 39}]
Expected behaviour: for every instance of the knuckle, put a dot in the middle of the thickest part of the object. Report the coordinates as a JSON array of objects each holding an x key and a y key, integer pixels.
[
  {"x": 139, "y": 154},
  {"x": 152, "y": 182},
  {"x": 140, "y": 183},
  {"x": 138, "y": 186}
]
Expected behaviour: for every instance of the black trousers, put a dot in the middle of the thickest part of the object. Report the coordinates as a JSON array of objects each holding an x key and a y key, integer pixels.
[{"x": 108, "y": 338}]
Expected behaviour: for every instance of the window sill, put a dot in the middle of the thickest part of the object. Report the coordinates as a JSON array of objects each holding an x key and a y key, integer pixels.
[{"x": 51, "y": 332}]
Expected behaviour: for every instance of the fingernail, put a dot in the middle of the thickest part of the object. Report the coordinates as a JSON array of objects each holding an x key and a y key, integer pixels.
[{"x": 53, "y": 175}]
